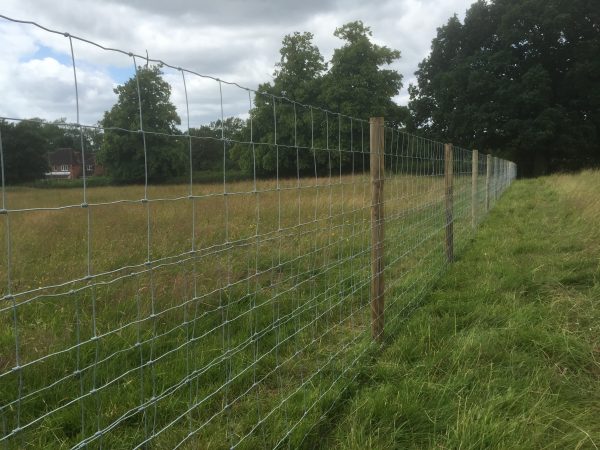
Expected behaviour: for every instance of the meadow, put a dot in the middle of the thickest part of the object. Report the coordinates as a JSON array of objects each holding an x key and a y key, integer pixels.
[{"x": 191, "y": 316}]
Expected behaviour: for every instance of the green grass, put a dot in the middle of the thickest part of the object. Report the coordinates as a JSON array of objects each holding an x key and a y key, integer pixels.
[
  {"x": 301, "y": 288},
  {"x": 200, "y": 176},
  {"x": 225, "y": 316},
  {"x": 505, "y": 351},
  {"x": 63, "y": 183}
]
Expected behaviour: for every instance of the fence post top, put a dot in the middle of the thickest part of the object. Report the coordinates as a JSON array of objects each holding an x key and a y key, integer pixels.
[{"x": 376, "y": 119}]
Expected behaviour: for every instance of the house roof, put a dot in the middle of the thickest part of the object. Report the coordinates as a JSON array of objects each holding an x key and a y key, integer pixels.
[
  {"x": 64, "y": 156},
  {"x": 69, "y": 156}
]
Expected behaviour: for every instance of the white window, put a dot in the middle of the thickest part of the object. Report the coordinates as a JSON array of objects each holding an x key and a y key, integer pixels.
[{"x": 65, "y": 168}]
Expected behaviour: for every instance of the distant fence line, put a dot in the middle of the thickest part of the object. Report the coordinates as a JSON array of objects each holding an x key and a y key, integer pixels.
[{"x": 224, "y": 315}]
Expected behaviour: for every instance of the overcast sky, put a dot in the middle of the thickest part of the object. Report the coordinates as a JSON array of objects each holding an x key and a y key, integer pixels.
[{"x": 235, "y": 40}]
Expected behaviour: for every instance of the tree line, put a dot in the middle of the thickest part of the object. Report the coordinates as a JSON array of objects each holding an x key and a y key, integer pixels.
[
  {"x": 355, "y": 83},
  {"x": 27, "y": 144},
  {"x": 517, "y": 78}
]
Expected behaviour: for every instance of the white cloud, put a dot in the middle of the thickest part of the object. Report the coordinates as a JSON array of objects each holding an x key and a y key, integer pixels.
[{"x": 235, "y": 40}]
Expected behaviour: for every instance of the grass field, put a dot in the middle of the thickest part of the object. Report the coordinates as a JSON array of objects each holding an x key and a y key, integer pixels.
[
  {"x": 212, "y": 321},
  {"x": 505, "y": 351}
]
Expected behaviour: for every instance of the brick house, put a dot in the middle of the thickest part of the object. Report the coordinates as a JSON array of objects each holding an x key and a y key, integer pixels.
[{"x": 67, "y": 163}]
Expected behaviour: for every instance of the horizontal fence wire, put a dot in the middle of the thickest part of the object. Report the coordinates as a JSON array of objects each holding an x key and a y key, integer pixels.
[{"x": 223, "y": 315}]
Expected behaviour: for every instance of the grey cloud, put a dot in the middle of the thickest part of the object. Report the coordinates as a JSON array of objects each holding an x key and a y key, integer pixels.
[
  {"x": 234, "y": 12},
  {"x": 234, "y": 40}
]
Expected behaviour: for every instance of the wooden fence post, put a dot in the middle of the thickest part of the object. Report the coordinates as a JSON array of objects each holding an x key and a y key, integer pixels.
[
  {"x": 377, "y": 226},
  {"x": 488, "y": 174},
  {"x": 495, "y": 177},
  {"x": 448, "y": 182},
  {"x": 474, "y": 199}
]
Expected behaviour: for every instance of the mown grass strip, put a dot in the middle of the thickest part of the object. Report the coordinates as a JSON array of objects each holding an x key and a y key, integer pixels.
[{"x": 505, "y": 351}]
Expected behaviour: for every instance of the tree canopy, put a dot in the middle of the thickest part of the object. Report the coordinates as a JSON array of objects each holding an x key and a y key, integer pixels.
[
  {"x": 122, "y": 150},
  {"x": 207, "y": 144},
  {"x": 356, "y": 83},
  {"x": 27, "y": 144},
  {"x": 25, "y": 151},
  {"x": 298, "y": 77},
  {"x": 521, "y": 77},
  {"x": 518, "y": 78}
]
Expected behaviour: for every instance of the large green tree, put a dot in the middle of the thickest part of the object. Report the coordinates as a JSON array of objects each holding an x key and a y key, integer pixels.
[
  {"x": 24, "y": 149},
  {"x": 519, "y": 77},
  {"x": 360, "y": 83},
  {"x": 122, "y": 150},
  {"x": 275, "y": 120},
  {"x": 207, "y": 142}
]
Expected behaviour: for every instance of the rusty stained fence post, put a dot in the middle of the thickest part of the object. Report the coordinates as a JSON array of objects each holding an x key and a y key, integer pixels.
[
  {"x": 377, "y": 166},
  {"x": 474, "y": 197},
  {"x": 449, "y": 187}
]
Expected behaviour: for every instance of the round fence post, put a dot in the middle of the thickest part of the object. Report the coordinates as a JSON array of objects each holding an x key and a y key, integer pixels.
[
  {"x": 377, "y": 168},
  {"x": 449, "y": 188},
  {"x": 488, "y": 176},
  {"x": 474, "y": 175}
]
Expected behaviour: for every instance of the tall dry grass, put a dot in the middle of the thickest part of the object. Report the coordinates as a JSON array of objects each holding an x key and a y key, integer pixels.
[{"x": 259, "y": 297}]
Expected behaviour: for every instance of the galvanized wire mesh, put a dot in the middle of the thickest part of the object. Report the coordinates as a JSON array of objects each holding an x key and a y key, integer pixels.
[{"x": 231, "y": 314}]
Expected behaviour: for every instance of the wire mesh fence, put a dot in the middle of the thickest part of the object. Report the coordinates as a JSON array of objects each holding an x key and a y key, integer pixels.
[{"x": 226, "y": 314}]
